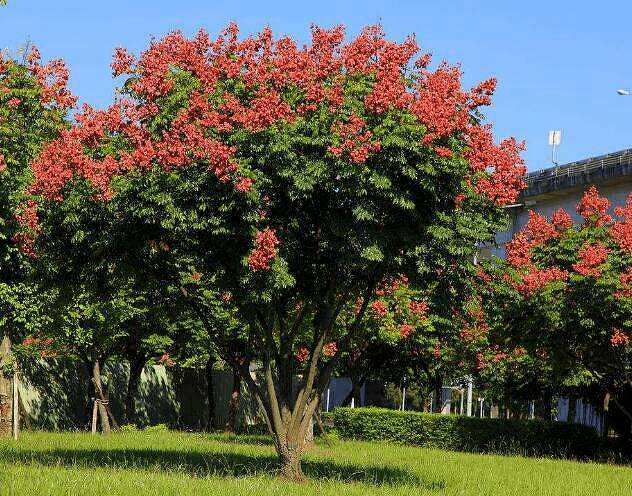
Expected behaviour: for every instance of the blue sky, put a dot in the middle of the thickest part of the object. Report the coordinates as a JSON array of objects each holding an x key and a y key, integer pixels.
[{"x": 559, "y": 64}]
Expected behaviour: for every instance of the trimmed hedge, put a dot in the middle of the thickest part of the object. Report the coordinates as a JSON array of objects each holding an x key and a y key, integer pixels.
[{"x": 471, "y": 434}]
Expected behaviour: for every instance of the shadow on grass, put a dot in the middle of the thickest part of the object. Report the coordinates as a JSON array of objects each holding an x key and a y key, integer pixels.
[
  {"x": 200, "y": 464},
  {"x": 251, "y": 439}
]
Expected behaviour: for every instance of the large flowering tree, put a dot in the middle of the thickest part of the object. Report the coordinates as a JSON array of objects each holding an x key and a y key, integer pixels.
[
  {"x": 565, "y": 295},
  {"x": 287, "y": 182}
]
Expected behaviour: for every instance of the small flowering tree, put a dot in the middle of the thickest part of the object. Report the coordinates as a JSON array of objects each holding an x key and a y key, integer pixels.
[
  {"x": 287, "y": 182},
  {"x": 565, "y": 295},
  {"x": 34, "y": 101}
]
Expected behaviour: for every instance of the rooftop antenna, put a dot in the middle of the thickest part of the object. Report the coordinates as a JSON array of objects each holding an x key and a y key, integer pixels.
[{"x": 555, "y": 138}]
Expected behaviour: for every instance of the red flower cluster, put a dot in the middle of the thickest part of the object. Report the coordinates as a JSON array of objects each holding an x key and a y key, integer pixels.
[
  {"x": 302, "y": 354},
  {"x": 539, "y": 278},
  {"x": 244, "y": 184},
  {"x": 418, "y": 307},
  {"x": 53, "y": 78},
  {"x": 591, "y": 255},
  {"x": 266, "y": 242},
  {"x": 536, "y": 232},
  {"x": 562, "y": 220},
  {"x": 44, "y": 345},
  {"x": 538, "y": 229},
  {"x": 619, "y": 337},
  {"x": 518, "y": 251},
  {"x": 379, "y": 308},
  {"x": 330, "y": 349},
  {"x": 480, "y": 362},
  {"x": 389, "y": 287},
  {"x": 626, "y": 279},
  {"x": 357, "y": 143},
  {"x": 437, "y": 351},
  {"x": 622, "y": 230},
  {"x": 593, "y": 208},
  {"x": 406, "y": 330},
  {"x": 166, "y": 360},
  {"x": 442, "y": 151},
  {"x": 26, "y": 216},
  {"x": 483, "y": 276}
]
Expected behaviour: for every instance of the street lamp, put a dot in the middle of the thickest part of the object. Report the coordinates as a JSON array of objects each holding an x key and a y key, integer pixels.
[{"x": 623, "y": 92}]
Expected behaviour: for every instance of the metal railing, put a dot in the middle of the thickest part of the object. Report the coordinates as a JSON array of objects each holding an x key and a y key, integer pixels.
[{"x": 606, "y": 166}]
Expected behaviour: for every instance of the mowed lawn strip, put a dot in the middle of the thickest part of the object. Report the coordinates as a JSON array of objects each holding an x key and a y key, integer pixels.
[{"x": 167, "y": 462}]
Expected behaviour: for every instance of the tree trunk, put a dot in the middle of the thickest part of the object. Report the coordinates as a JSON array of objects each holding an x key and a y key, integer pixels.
[
  {"x": 547, "y": 398},
  {"x": 356, "y": 387},
  {"x": 135, "y": 370},
  {"x": 100, "y": 398},
  {"x": 572, "y": 407},
  {"x": 234, "y": 403},
  {"x": 425, "y": 407},
  {"x": 290, "y": 461},
  {"x": 210, "y": 394},
  {"x": 438, "y": 389}
]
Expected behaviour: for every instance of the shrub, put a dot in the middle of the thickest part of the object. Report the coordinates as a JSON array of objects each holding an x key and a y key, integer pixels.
[{"x": 471, "y": 434}]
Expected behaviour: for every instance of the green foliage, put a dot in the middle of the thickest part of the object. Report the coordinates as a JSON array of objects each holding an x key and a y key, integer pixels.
[{"x": 477, "y": 435}]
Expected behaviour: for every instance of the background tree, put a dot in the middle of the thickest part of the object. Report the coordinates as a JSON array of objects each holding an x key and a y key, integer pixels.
[
  {"x": 34, "y": 101},
  {"x": 564, "y": 295},
  {"x": 294, "y": 181}
]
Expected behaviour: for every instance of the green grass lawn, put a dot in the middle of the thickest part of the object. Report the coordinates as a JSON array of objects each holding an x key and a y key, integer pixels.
[{"x": 174, "y": 463}]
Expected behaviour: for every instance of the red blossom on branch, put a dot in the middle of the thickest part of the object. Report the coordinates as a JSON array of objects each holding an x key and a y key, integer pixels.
[
  {"x": 518, "y": 251},
  {"x": 562, "y": 220},
  {"x": 358, "y": 144},
  {"x": 265, "y": 250},
  {"x": 480, "y": 362},
  {"x": 538, "y": 230},
  {"x": 330, "y": 349},
  {"x": 591, "y": 256},
  {"x": 166, "y": 360},
  {"x": 406, "y": 330},
  {"x": 622, "y": 229},
  {"x": 539, "y": 278},
  {"x": 593, "y": 208},
  {"x": 267, "y": 69},
  {"x": 619, "y": 337},
  {"x": 418, "y": 307},
  {"x": 379, "y": 309},
  {"x": 302, "y": 354},
  {"x": 244, "y": 184}
]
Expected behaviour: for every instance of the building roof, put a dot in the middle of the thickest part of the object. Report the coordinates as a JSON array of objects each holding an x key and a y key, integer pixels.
[{"x": 611, "y": 168}]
